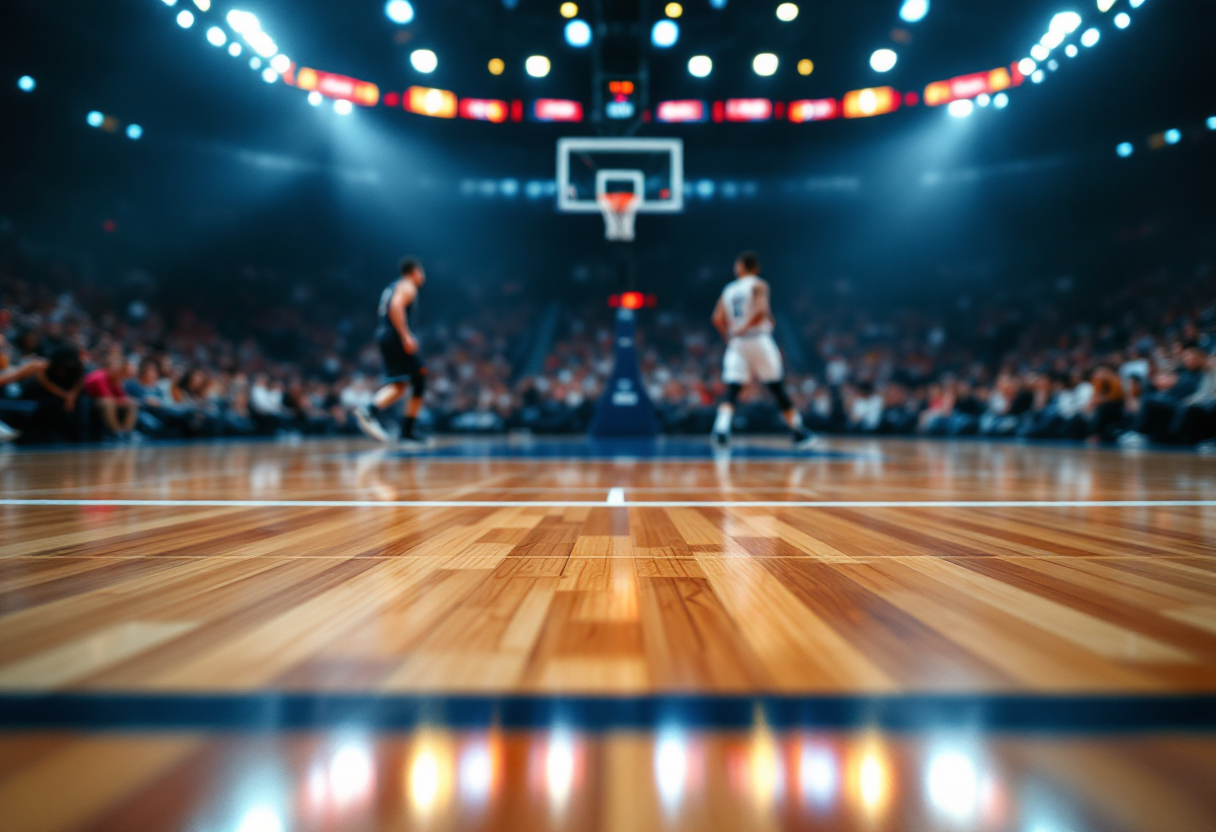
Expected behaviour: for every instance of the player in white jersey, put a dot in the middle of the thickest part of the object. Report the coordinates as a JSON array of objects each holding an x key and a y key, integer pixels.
[{"x": 745, "y": 319}]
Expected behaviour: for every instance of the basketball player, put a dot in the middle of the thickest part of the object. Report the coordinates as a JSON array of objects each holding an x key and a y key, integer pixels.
[
  {"x": 744, "y": 318},
  {"x": 399, "y": 348}
]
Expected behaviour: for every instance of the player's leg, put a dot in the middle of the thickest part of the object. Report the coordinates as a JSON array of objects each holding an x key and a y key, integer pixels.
[
  {"x": 770, "y": 369},
  {"x": 368, "y": 416},
  {"x": 735, "y": 374},
  {"x": 414, "y": 406}
]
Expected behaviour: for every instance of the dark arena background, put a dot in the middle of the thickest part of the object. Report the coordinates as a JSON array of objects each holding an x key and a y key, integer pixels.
[{"x": 522, "y": 541}]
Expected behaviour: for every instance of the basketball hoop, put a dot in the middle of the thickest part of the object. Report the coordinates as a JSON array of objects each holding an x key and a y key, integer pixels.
[{"x": 619, "y": 208}]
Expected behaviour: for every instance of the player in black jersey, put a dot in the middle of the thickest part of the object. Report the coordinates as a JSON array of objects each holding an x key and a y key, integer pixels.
[{"x": 402, "y": 365}]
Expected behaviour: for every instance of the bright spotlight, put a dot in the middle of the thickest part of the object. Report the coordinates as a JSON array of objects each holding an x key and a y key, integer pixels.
[
  {"x": 569, "y": 10},
  {"x": 1173, "y": 136},
  {"x": 134, "y": 132},
  {"x": 1066, "y": 22},
  {"x": 1039, "y": 52},
  {"x": 1211, "y": 123},
  {"x": 269, "y": 75},
  {"x": 243, "y": 22},
  {"x": 700, "y": 66},
  {"x": 1027, "y": 66},
  {"x": 1105, "y": 5},
  {"x": 261, "y": 819},
  {"x": 281, "y": 63},
  {"x": 216, "y": 36},
  {"x": 1123, "y": 20},
  {"x": 806, "y": 66},
  {"x": 1052, "y": 39},
  {"x": 315, "y": 98},
  {"x": 983, "y": 99},
  {"x": 913, "y": 11},
  {"x": 26, "y": 84},
  {"x": 537, "y": 66},
  {"x": 883, "y": 60},
  {"x": 343, "y": 107},
  {"x": 185, "y": 18},
  {"x": 787, "y": 12},
  {"x": 1090, "y": 37},
  {"x": 496, "y": 66},
  {"x": 961, "y": 108},
  {"x": 578, "y": 33},
  {"x": 765, "y": 63},
  {"x": 255, "y": 62},
  {"x": 1071, "y": 50},
  {"x": 95, "y": 119},
  {"x": 1037, "y": 76},
  {"x": 170, "y": 2},
  {"x": 665, "y": 33},
  {"x": 203, "y": 5},
  {"x": 953, "y": 785},
  {"x": 1000, "y": 101},
  {"x": 1135, "y": 4},
  {"x": 1053, "y": 64},
  {"x": 399, "y": 11},
  {"x": 1124, "y": 149},
  {"x": 674, "y": 10},
  {"x": 234, "y": 49},
  {"x": 424, "y": 60}
]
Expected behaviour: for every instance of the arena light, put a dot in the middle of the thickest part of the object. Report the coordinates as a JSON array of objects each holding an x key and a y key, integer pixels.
[
  {"x": 203, "y": 5},
  {"x": 484, "y": 109},
  {"x": 496, "y": 66},
  {"x": 1027, "y": 66},
  {"x": 243, "y": 22},
  {"x": 967, "y": 86},
  {"x": 1071, "y": 50},
  {"x": 216, "y": 36},
  {"x": 700, "y": 66},
  {"x": 1039, "y": 52},
  {"x": 1211, "y": 123},
  {"x": 786, "y": 12},
  {"x": 95, "y": 119},
  {"x": 134, "y": 132},
  {"x": 400, "y": 12},
  {"x": 1135, "y": 4},
  {"x": 1105, "y": 5},
  {"x": 1090, "y": 37},
  {"x": 873, "y": 101},
  {"x": 428, "y": 101},
  {"x": 281, "y": 63},
  {"x": 568, "y": 10},
  {"x": 961, "y": 108},
  {"x": 765, "y": 64},
  {"x": 185, "y": 18},
  {"x": 1123, "y": 20},
  {"x": 269, "y": 75},
  {"x": 337, "y": 86},
  {"x": 255, "y": 62},
  {"x": 1000, "y": 101},
  {"x": 315, "y": 98},
  {"x": 883, "y": 60},
  {"x": 557, "y": 109},
  {"x": 26, "y": 84},
  {"x": 748, "y": 109},
  {"x": 1052, "y": 39},
  {"x": 234, "y": 49},
  {"x": 983, "y": 99},
  {"x": 913, "y": 11},
  {"x": 1124, "y": 149},
  {"x": 1065, "y": 22},
  {"x": 1037, "y": 76},
  {"x": 813, "y": 109},
  {"x": 424, "y": 61},
  {"x": 343, "y": 107},
  {"x": 1173, "y": 136},
  {"x": 673, "y": 10},
  {"x": 806, "y": 66},
  {"x": 665, "y": 33},
  {"x": 578, "y": 33},
  {"x": 681, "y": 112},
  {"x": 537, "y": 66}
]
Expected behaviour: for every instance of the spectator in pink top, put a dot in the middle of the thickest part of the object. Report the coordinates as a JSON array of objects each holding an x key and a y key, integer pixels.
[{"x": 105, "y": 387}]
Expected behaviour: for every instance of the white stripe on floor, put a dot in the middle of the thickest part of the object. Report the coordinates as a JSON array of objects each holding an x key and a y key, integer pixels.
[
  {"x": 622, "y": 503},
  {"x": 616, "y": 497}
]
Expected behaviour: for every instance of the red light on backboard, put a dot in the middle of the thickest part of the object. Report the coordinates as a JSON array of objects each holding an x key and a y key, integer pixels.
[
  {"x": 557, "y": 109},
  {"x": 620, "y": 87},
  {"x": 632, "y": 300},
  {"x": 675, "y": 112},
  {"x": 392, "y": 99},
  {"x": 748, "y": 109},
  {"x": 813, "y": 109},
  {"x": 484, "y": 109}
]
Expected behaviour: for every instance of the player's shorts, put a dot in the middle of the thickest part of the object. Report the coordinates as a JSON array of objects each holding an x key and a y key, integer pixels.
[
  {"x": 752, "y": 356},
  {"x": 399, "y": 365}
]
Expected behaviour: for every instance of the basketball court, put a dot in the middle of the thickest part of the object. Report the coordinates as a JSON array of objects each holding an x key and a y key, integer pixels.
[{"x": 607, "y": 635}]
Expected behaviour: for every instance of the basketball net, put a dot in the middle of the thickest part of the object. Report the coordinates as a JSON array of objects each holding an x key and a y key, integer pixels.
[{"x": 619, "y": 208}]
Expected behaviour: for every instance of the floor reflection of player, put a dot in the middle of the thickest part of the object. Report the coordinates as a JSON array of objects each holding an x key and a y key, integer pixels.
[
  {"x": 745, "y": 319},
  {"x": 403, "y": 367}
]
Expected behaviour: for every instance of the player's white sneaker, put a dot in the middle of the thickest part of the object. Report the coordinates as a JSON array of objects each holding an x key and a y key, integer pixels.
[
  {"x": 368, "y": 424},
  {"x": 8, "y": 434},
  {"x": 808, "y": 442}
]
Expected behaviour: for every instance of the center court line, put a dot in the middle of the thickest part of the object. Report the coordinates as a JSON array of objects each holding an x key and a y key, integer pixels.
[{"x": 621, "y": 504}]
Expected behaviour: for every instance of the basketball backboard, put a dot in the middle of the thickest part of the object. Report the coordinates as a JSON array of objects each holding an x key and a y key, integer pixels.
[{"x": 588, "y": 168}]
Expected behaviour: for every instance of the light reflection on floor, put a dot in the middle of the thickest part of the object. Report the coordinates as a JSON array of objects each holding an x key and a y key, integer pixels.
[{"x": 672, "y": 779}]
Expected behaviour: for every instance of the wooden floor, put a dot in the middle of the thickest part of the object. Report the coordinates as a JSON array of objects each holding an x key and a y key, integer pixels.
[{"x": 542, "y": 570}]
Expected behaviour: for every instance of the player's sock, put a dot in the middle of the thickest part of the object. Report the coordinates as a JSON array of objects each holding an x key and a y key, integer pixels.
[{"x": 723, "y": 420}]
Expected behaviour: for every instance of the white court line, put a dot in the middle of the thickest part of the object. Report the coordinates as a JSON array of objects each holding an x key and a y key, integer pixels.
[
  {"x": 616, "y": 497},
  {"x": 623, "y": 503}
]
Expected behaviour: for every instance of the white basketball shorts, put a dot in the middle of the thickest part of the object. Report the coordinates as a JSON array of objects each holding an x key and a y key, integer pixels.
[{"x": 752, "y": 356}]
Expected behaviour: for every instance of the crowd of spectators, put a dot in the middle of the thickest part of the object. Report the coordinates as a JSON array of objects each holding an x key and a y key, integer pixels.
[{"x": 1133, "y": 367}]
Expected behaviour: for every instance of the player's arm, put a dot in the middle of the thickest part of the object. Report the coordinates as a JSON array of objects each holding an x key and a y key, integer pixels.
[
  {"x": 719, "y": 319},
  {"x": 761, "y": 312},
  {"x": 403, "y": 295}
]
